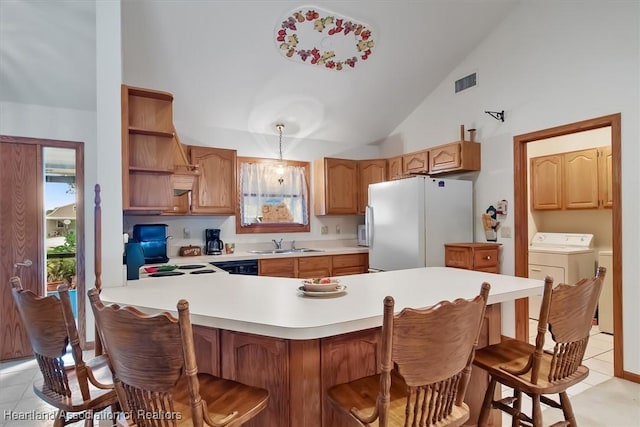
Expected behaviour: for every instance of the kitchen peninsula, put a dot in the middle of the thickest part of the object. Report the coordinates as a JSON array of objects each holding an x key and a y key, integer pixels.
[{"x": 263, "y": 331}]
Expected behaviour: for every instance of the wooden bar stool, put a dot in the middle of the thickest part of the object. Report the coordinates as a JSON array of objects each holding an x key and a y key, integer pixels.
[
  {"x": 79, "y": 390},
  {"x": 432, "y": 350},
  {"x": 155, "y": 373},
  {"x": 568, "y": 311}
]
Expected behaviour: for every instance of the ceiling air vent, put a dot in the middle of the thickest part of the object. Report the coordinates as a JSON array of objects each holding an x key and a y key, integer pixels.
[{"x": 466, "y": 82}]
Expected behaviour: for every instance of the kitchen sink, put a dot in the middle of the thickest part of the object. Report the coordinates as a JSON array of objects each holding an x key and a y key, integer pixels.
[{"x": 284, "y": 251}]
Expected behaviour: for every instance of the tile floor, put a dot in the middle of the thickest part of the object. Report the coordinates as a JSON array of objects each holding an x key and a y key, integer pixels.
[
  {"x": 599, "y": 359},
  {"x": 599, "y": 401}
]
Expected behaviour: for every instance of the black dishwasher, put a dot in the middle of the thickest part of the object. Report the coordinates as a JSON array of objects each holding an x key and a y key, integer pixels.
[{"x": 247, "y": 267}]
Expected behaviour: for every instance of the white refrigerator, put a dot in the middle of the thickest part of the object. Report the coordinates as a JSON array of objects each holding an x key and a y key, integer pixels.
[{"x": 409, "y": 220}]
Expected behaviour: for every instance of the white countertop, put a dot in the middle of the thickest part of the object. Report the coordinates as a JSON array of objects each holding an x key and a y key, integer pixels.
[
  {"x": 244, "y": 255},
  {"x": 274, "y": 307}
]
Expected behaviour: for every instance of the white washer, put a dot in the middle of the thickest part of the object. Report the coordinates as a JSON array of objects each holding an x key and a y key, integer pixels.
[
  {"x": 567, "y": 257},
  {"x": 605, "y": 304}
]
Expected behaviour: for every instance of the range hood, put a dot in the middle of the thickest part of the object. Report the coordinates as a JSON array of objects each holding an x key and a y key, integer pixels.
[
  {"x": 182, "y": 182},
  {"x": 185, "y": 173}
]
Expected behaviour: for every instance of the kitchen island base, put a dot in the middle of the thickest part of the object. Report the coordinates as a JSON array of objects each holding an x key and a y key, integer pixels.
[{"x": 297, "y": 373}]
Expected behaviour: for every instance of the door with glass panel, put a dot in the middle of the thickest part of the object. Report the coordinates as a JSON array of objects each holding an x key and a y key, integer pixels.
[{"x": 41, "y": 224}]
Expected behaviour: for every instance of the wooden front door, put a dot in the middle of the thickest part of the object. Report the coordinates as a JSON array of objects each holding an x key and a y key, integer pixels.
[{"x": 21, "y": 236}]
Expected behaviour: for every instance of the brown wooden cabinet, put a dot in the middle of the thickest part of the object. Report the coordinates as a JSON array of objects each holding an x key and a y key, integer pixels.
[
  {"x": 369, "y": 172},
  {"x": 214, "y": 191},
  {"x": 315, "y": 266},
  {"x": 415, "y": 163},
  {"x": 581, "y": 179},
  {"x": 473, "y": 256},
  {"x": 573, "y": 180},
  {"x": 394, "y": 168},
  {"x": 605, "y": 176},
  {"x": 343, "y": 265},
  {"x": 455, "y": 157},
  {"x": 246, "y": 358},
  {"x": 147, "y": 149},
  {"x": 336, "y": 186},
  {"x": 278, "y": 267},
  {"x": 344, "y": 358},
  {"x": 207, "y": 347},
  {"x": 546, "y": 182}
]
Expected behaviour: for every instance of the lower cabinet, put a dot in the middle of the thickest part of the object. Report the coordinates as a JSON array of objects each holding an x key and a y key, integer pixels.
[
  {"x": 344, "y": 265},
  {"x": 473, "y": 256},
  {"x": 244, "y": 356},
  {"x": 278, "y": 267},
  {"x": 298, "y": 373},
  {"x": 314, "y": 266},
  {"x": 344, "y": 358}
]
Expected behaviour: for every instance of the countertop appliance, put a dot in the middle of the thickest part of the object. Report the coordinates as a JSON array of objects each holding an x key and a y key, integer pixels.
[
  {"x": 213, "y": 244},
  {"x": 153, "y": 239},
  {"x": 409, "y": 221},
  {"x": 248, "y": 267},
  {"x": 567, "y": 257}
]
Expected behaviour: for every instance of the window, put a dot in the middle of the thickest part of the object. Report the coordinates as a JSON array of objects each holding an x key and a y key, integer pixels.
[{"x": 273, "y": 196}]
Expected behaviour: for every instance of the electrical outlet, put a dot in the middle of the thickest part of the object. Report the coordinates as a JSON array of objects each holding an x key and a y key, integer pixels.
[
  {"x": 505, "y": 232},
  {"x": 186, "y": 233},
  {"x": 324, "y": 229},
  {"x": 338, "y": 229}
]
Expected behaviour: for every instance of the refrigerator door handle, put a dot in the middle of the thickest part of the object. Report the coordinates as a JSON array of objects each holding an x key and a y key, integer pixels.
[{"x": 368, "y": 220}]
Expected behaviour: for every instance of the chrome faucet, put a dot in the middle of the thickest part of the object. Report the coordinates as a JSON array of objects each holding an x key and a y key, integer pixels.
[
  {"x": 277, "y": 244},
  {"x": 293, "y": 245}
]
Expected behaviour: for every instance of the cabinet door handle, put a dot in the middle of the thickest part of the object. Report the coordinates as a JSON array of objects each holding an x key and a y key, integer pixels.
[
  {"x": 487, "y": 257},
  {"x": 536, "y": 269}
]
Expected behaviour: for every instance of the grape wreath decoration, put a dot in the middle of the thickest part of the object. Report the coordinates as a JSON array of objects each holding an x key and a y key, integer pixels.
[{"x": 289, "y": 40}]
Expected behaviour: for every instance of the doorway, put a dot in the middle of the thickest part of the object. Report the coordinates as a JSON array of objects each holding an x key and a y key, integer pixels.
[
  {"x": 42, "y": 233},
  {"x": 521, "y": 197}
]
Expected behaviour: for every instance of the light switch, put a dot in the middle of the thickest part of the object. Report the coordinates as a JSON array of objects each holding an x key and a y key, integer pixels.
[
  {"x": 186, "y": 233},
  {"x": 505, "y": 232}
]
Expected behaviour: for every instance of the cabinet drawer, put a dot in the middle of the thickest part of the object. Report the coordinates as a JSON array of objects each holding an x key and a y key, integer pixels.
[
  {"x": 280, "y": 267},
  {"x": 483, "y": 258},
  {"x": 346, "y": 271},
  {"x": 458, "y": 257},
  {"x": 350, "y": 260},
  {"x": 315, "y": 266}
]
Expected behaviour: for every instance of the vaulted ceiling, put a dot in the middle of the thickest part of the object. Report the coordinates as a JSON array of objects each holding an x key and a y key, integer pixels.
[{"x": 226, "y": 70}]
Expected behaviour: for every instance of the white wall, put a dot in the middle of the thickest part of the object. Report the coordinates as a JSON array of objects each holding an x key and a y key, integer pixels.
[{"x": 547, "y": 64}]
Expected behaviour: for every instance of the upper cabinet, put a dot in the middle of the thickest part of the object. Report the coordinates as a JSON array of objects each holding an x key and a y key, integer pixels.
[
  {"x": 335, "y": 186},
  {"x": 581, "y": 179},
  {"x": 415, "y": 163},
  {"x": 455, "y": 157},
  {"x": 214, "y": 191},
  {"x": 546, "y": 182},
  {"x": 394, "y": 168},
  {"x": 147, "y": 149},
  {"x": 574, "y": 180},
  {"x": 369, "y": 172},
  {"x": 605, "y": 185}
]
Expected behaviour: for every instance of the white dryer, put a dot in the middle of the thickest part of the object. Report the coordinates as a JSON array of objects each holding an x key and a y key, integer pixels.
[{"x": 567, "y": 257}]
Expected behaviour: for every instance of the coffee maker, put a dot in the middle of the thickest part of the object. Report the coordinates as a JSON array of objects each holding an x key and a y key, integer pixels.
[{"x": 213, "y": 244}]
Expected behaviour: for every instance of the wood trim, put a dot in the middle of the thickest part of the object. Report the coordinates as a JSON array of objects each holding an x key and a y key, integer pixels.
[
  {"x": 271, "y": 228},
  {"x": 522, "y": 230}
]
